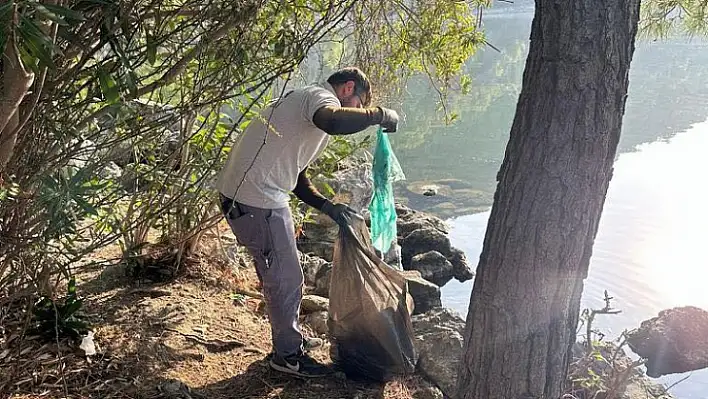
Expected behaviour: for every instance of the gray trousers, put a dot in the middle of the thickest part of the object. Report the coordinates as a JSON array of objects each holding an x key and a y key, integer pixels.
[{"x": 269, "y": 236}]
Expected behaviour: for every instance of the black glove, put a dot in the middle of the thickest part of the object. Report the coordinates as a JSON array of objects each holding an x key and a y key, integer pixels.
[
  {"x": 340, "y": 213},
  {"x": 389, "y": 120}
]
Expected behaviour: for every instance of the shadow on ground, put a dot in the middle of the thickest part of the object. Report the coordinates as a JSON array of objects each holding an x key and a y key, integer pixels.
[{"x": 258, "y": 381}]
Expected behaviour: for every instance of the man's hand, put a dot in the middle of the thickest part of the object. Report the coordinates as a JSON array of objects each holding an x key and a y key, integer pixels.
[
  {"x": 340, "y": 213},
  {"x": 389, "y": 120}
]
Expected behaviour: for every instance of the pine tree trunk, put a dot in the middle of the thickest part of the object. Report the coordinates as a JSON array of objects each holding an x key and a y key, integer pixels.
[{"x": 525, "y": 303}]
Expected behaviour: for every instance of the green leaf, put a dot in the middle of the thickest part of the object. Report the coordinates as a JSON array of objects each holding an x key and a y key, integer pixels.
[
  {"x": 88, "y": 208},
  {"x": 65, "y": 12},
  {"x": 71, "y": 287},
  {"x": 72, "y": 307},
  {"x": 109, "y": 87},
  {"x": 151, "y": 49},
  {"x": 5, "y": 10},
  {"x": 37, "y": 43},
  {"x": 118, "y": 49},
  {"x": 36, "y": 50},
  {"x": 28, "y": 59},
  {"x": 52, "y": 16}
]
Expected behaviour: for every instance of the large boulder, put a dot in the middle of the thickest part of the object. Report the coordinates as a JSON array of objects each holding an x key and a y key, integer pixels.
[
  {"x": 426, "y": 295},
  {"x": 674, "y": 342},
  {"x": 428, "y": 239},
  {"x": 461, "y": 270},
  {"x": 439, "y": 336},
  {"x": 433, "y": 266},
  {"x": 424, "y": 240},
  {"x": 410, "y": 220}
]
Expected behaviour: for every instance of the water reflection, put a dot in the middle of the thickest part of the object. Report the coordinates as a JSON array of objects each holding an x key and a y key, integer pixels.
[
  {"x": 649, "y": 252},
  {"x": 668, "y": 92}
]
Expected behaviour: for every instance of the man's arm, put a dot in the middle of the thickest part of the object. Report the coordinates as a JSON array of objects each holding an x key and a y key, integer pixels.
[
  {"x": 307, "y": 192},
  {"x": 349, "y": 120}
]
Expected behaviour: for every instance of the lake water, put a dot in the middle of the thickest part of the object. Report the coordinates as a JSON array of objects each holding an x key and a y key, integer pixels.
[{"x": 649, "y": 250}]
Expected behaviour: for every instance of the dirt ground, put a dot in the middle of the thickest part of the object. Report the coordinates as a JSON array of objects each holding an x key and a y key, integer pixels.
[{"x": 193, "y": 337}]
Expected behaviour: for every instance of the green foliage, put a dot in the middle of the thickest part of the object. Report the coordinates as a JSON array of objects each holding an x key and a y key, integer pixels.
[
  {"x": 55, "y": 319},
  {"x": 396, "y": 39},
  {"x": 140, "y": 90},
  {"x": 664, "y": 18},
  {"x": 137, "y": 107}
]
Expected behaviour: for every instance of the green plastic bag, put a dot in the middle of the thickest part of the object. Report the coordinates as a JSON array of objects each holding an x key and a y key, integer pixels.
[{"x": 386, "y": 170}]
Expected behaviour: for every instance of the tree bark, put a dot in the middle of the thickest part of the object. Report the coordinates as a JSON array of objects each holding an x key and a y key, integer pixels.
[
  {"x": 16, "y": 83},
  {"x": 551, "y": 189}
]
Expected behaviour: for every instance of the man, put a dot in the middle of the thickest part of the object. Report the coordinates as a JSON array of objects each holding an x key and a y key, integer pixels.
[{"x": 269, "y": 161}]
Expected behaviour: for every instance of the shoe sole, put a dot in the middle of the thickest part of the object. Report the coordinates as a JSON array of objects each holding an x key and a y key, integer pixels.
[{"x": 289, "y": 371}]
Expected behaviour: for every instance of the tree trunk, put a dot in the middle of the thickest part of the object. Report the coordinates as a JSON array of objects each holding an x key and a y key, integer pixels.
[
  {"x": 16, "y": 83},
  {"x": 552, "y": 184}
]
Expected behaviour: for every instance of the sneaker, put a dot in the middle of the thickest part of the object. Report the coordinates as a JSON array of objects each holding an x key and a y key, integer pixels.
[
  {"x": 299, "y": 365},
  {"x": 311, "y": 343},
  {"x": 308, "y": 344}
]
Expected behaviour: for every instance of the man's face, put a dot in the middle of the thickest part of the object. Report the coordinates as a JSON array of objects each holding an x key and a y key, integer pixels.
[{"x": 348, "y": 96}]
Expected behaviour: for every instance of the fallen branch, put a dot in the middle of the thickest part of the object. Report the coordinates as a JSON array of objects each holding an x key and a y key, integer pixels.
[{"x": 212, "y": 345}]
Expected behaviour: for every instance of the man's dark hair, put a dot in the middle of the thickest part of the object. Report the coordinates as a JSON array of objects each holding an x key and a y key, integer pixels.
[{"x": 362, "y": 86}]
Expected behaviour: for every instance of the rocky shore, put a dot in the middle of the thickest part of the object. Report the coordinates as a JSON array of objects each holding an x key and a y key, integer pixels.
[{"x": 429, "y": 262}]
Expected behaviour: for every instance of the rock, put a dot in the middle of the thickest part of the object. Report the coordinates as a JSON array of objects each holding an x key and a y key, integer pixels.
[
  {"x": 111, "y": 171},
  {"x": 674, "y": 342},
  {"x": 173, "y": 388},
  {"x": 320, "y": 249},
  {"x": 318, "y": 322},
  {"x": 461, "y": 270},
  {"x": 430, "y": 234},
  {"x": 433, "y": 266},
  {"x": 410, "y": 220},
  {"x": 643, "y": 388},
  {"x": 428, "y": 393},
  {"x": 322, "y": 280},
  {"x": 311, "y": 265},
  {"x": 424, "y": 240},
  {"x": 426, "y": 295},
  {"x": 431, "y": 191},
  {"x": 314, "y": 303},
  {"x": 393, "y": 256},
  {"x": 426, "y": 187},
  {"x": 439, "y": 336}
]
